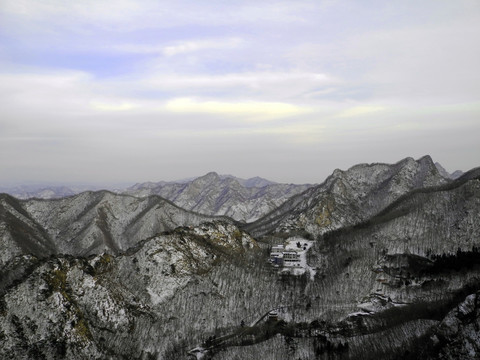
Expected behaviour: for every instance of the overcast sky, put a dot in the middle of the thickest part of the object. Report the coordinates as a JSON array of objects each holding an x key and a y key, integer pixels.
[{"x": 139, "y": 90}]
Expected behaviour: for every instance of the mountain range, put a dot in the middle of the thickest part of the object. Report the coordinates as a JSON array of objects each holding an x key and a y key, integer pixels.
[
  {"x": 393, "y": 271},
  {"x": 87, "y": 223},
  {"x": 212, "y": 194},
  {"x": 348, "y": 197}
]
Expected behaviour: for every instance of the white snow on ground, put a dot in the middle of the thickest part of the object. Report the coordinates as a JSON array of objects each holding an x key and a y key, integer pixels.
[
  {"x": 198, "y": 352},
  {"x": 358, "y": 313},
  {"x": 305, "y": 245}
]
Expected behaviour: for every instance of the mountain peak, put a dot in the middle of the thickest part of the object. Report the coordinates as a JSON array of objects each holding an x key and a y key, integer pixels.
[
  {"x": 426, "y": 158},
  {"x": 442, "y": 171},
  {"x": 427, "y": 162},
  {"x": 211, "y": 174},
  {"x": 258, "y": 181},
  {"x": 367, "y": 188}
]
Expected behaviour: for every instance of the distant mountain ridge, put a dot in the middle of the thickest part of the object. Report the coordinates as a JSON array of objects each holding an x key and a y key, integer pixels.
[
  {"x": 256, "y": 181},
  {"x": 213, "y": 194},
  {"x": 42, "y": 191},
  {"x": 455, "y": 175}
]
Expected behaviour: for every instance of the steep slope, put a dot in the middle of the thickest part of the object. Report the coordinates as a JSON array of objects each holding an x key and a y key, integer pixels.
[
  {"x": 348, "y": 197},
  {"x": 85, "y": 224},
  {"x": 212, "y": 194},
  {"x": 20, "y": 233},
  {"x": 116, "y": 307}
]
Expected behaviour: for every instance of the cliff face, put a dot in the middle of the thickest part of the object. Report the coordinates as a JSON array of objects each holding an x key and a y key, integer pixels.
[{"x": 401, "y": 283}]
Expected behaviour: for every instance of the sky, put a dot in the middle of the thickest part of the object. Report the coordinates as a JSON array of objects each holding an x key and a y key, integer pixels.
[{"x": 104, "y": 91}]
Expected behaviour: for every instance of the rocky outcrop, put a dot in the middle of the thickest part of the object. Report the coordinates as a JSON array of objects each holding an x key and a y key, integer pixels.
[
  {"x": 112, "y": 307},
  {"x": 458, "y": 335},
  {"x": 349, "y": 197}
]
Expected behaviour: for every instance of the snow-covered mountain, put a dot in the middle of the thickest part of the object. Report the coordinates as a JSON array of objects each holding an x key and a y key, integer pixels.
[
  {"x": 393, "y": 273},
  {"x": 213, "y": 194},
  {"x": 349, "y": 197},
  {"x": 85, "y": 224},
  {"x": 111, "y": 307},
  {"x": 56, "y": 191},
  {"x": 40, "y": 191}
]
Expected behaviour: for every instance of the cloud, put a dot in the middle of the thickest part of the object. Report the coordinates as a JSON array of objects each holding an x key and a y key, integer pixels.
[
  {"x": 46, "y": 92},
  {"x": 181, "y": 47},
  {"x": 191, "y": 46},
  {"x": 359, "y": 111},
  {"x": 253, "y": 110},
  {"x": 337, "y": 74},
  {"x": 56, "y": 16},
  {"x": 123, "y": 106},
  {"x": 261, "y": 86},
  {"x": 74, "y": 92},
  {"x": 133, "y": 15},
  {"x": 426, "y": 62}
]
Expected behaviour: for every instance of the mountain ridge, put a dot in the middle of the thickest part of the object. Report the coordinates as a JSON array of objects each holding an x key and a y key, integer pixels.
[
  {"x": 365, "y": 188},
  {"x": 211, "y": 194},
  {"x": 87, "y": 223},
  {"x": 214, "y": 194}
]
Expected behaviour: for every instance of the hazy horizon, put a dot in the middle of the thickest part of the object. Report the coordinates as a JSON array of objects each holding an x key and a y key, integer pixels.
[
  {"x": 124, "y": 184},
  {"x": 135, "y": 91}
]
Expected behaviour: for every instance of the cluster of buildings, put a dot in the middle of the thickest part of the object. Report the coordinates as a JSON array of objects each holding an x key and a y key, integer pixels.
[{"x": 282, "y": 257}]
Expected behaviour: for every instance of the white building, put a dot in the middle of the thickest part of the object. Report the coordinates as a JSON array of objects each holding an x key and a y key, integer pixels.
[
  {"x": 279, "y": 256},
  {"x": 276, "y": 255},
  {"x": 291, "y": 258}
]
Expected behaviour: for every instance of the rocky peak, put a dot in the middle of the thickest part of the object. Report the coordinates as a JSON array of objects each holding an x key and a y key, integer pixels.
[
  {"x": 427, "y": 160},
  {"x": 441, "y": 170},
  {"x": 257, "y": 182},
  {"x": 210, "y": 177},
  {"x": 351, "y": 196}
]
